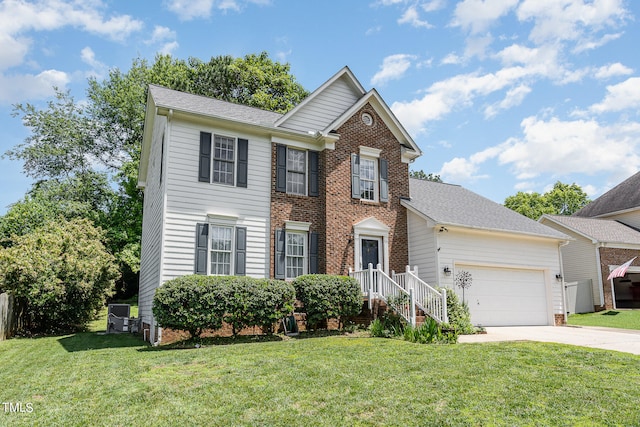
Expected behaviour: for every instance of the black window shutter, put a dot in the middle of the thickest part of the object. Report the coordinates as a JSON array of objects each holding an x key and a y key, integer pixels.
[
  {"x": 243, "y": 162},
  {"x": 384, "y": 180},
  {"x": 313, "y": 174},
  {"x": 280, "y": 254},
  {"x": 355, "y": 176},
  {"x": 313, "y": 253},
  {"x": 202, "y": 239},
  {"x": 204, "y": 169},
  {"x": 241, "y": 251},
  {"x": 281, "y": 168}
]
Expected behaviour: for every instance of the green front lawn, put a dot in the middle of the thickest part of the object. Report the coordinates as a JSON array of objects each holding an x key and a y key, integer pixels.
[
  {"x": 625, "y": 319},
  {"x": 90, "y": 379}
]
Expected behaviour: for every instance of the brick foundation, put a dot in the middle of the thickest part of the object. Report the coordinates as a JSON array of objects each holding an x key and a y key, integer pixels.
[{"x": 559, "y": 320}]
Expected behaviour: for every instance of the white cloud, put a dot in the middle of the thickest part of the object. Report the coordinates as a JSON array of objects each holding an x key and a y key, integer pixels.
[
  {"x": 88, "y": 56},
  {"x": 19, "y": 88},
  {"x": 452, "y": 59},
  {"x": 393, "y": 67},
  {"x": 434, "y": 5},
  {"x": 412, "y": 17},
  {"x": 164, "y": 36},
  {"x": 13, "y": 50},
  {"x": 477, "y": 16},
  {"x": 514, "y": 97},
  {"x": 557, "y": 147},
  {"x": 612, "y": 70},
  {"x": 188, "y": 10},
  {"x": 584, "y": 44},
  {"x": 620, "y": 97},
  {"x": 555, "y": 20},
  {"x": 373, "y": 30}
]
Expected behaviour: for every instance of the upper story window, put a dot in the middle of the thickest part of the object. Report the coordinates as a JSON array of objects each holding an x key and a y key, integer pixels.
[
  {"x": 296, "y": 171},
  {"x": 223, "y": 160},
  {"x": 369, "y": 176}
]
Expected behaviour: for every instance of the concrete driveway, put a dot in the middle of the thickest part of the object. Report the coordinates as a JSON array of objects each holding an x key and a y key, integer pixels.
[{"x": 605, "y": 338}]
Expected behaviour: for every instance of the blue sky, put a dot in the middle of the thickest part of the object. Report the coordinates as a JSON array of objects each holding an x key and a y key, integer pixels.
[{"x": 501, "y": 95}]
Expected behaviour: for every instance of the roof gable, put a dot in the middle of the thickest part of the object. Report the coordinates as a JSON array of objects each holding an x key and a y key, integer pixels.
[
  {"x": 453, "y": 205},
  {"x": 596, "y": 229},
  {"x": 623, "y": 197},
  {"x": 325, "y": 104}
]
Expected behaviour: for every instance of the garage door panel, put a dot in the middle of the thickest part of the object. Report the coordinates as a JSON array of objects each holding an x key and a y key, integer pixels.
[{"x": 503, "y": 296}]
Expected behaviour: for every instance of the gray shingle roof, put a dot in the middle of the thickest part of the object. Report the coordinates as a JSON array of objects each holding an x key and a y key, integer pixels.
[
  {"x": 198, "y": 104},
  {"x": 449, "y": 204},
  {"x": 623, "y": 196},
  {"x": 601, "y": 230}
]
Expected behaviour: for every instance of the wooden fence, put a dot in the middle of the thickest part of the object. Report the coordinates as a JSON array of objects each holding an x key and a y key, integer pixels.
[{"x": 8, "y": 316}]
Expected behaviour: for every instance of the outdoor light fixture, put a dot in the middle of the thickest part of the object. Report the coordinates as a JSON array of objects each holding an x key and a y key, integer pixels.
[
  {"x": 559, "y": 277},
  {"x": 447, "y": 270}
]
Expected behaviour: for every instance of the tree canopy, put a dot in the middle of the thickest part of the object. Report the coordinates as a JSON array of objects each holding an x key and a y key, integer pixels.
[
  {"x": 424, "y": 176},
  {"x": 86, "y": 154},
  {"x": 562, "y": 199}
]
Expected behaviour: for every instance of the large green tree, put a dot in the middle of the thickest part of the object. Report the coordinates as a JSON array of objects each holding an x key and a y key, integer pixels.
[
  {"x": 72, "y": 143},
  {"x": 562, "y": 199}
]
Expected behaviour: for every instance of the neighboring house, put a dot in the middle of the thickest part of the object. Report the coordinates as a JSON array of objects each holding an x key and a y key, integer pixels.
[
  {"x": 514, "y": 261},
  {"x": 230, "y": 189},
  {"x": 606, "y": 235}
]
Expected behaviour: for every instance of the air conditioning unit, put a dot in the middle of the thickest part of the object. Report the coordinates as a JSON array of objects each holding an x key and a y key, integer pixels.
[{"x": 118, "y": 318}]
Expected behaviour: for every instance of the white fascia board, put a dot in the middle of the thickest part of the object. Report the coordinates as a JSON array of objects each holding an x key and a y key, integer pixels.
[{"x": 147, "y": 139}]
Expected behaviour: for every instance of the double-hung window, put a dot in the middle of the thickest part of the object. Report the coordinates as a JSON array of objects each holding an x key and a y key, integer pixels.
[
  {"x": 221, "y": 250},
  {"x": 296, "y": 254},
  {"x": 223, "y": 159},
  {"x": 369, "y": 176},
  {"x": 296, "y": 171}
]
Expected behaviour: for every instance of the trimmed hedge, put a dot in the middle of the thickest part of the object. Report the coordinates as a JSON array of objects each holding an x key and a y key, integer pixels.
[
  {"x": 195, "y": 303},
  {"x": 326, "y": 297}
]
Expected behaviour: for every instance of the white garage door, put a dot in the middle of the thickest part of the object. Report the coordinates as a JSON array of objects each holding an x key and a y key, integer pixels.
[{"x": 506, "y": 297}]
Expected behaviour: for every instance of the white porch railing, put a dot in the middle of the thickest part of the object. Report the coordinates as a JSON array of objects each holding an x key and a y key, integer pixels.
[
  {"x": 402, "y": 292},
  {"x": 428, "y": 299}
]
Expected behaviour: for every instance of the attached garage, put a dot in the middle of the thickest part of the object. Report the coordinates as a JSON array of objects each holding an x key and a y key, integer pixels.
[
  {"x": 507, "y": 296},
  {"x": 514, "y": 261}
]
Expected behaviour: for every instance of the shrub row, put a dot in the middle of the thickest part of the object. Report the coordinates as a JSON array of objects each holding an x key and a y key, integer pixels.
[{"x": 195, "y": 303}]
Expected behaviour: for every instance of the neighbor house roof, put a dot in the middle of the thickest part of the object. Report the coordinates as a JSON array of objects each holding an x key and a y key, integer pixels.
[
  {"x": 453, "y": 205},
  {"x": 622, "y": 197},
  {"x": 598, "y": 230},
  {"x": 198, "y": 104}
]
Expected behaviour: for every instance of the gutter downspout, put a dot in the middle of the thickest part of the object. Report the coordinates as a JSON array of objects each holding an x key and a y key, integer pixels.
[
  {"x": 600, "y": 283},
  {"x": 562, "y": 285}
]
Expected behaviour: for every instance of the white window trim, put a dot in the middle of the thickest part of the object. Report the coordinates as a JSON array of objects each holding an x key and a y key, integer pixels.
[
  {"x": 297, "y": 226},
  {"x": 232, "y": 251},
  {"x": 370, "y": 228},
  {"x": 213, "y": 159},
  {"x": 376, "y": 179},
  {"x": 306, "y": 170},
  {"x": 305, "y": 254},
  {"x": 370, "y": 152}
]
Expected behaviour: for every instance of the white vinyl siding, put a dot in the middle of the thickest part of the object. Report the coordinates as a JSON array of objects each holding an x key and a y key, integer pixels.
[
  {"x": 629, "y": 218},
  {"x": 152, "y": 219},
  {"x": 501, "y": 251},
  {"x": 324, "y": 108},
  {"x": 189, "y": 203},
  {"x": 422, "y": 248}
]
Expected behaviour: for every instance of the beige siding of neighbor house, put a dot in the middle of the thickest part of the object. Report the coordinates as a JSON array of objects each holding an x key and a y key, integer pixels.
[
  {"x": 422, "y": 248},
  {"x": 190, "y": 202},
  {"x": 631, "y": 218},
  {"x": 491, "y": 249},
  {"x": 152, "y": 220},
  {"x": 325, "y": 108},
  {"x": 580, "y": 260}
]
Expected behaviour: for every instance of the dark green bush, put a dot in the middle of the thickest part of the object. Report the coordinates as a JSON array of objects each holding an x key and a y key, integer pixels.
[
  {"x": 257, "y": 302},
  {"x": 61, "y": 273},
  {"x": 389, "y": 325},
  {"x": 328, "y": 297},
  {"x": 458, "y": 313},
  {"x": 195, "y": 303},
  {"x": 191, "y": 303}
]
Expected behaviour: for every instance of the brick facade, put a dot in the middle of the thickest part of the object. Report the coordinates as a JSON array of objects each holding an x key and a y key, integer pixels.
[
  {"x": 333, "y": 214},
  {"x": 613, "y": 256}
]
